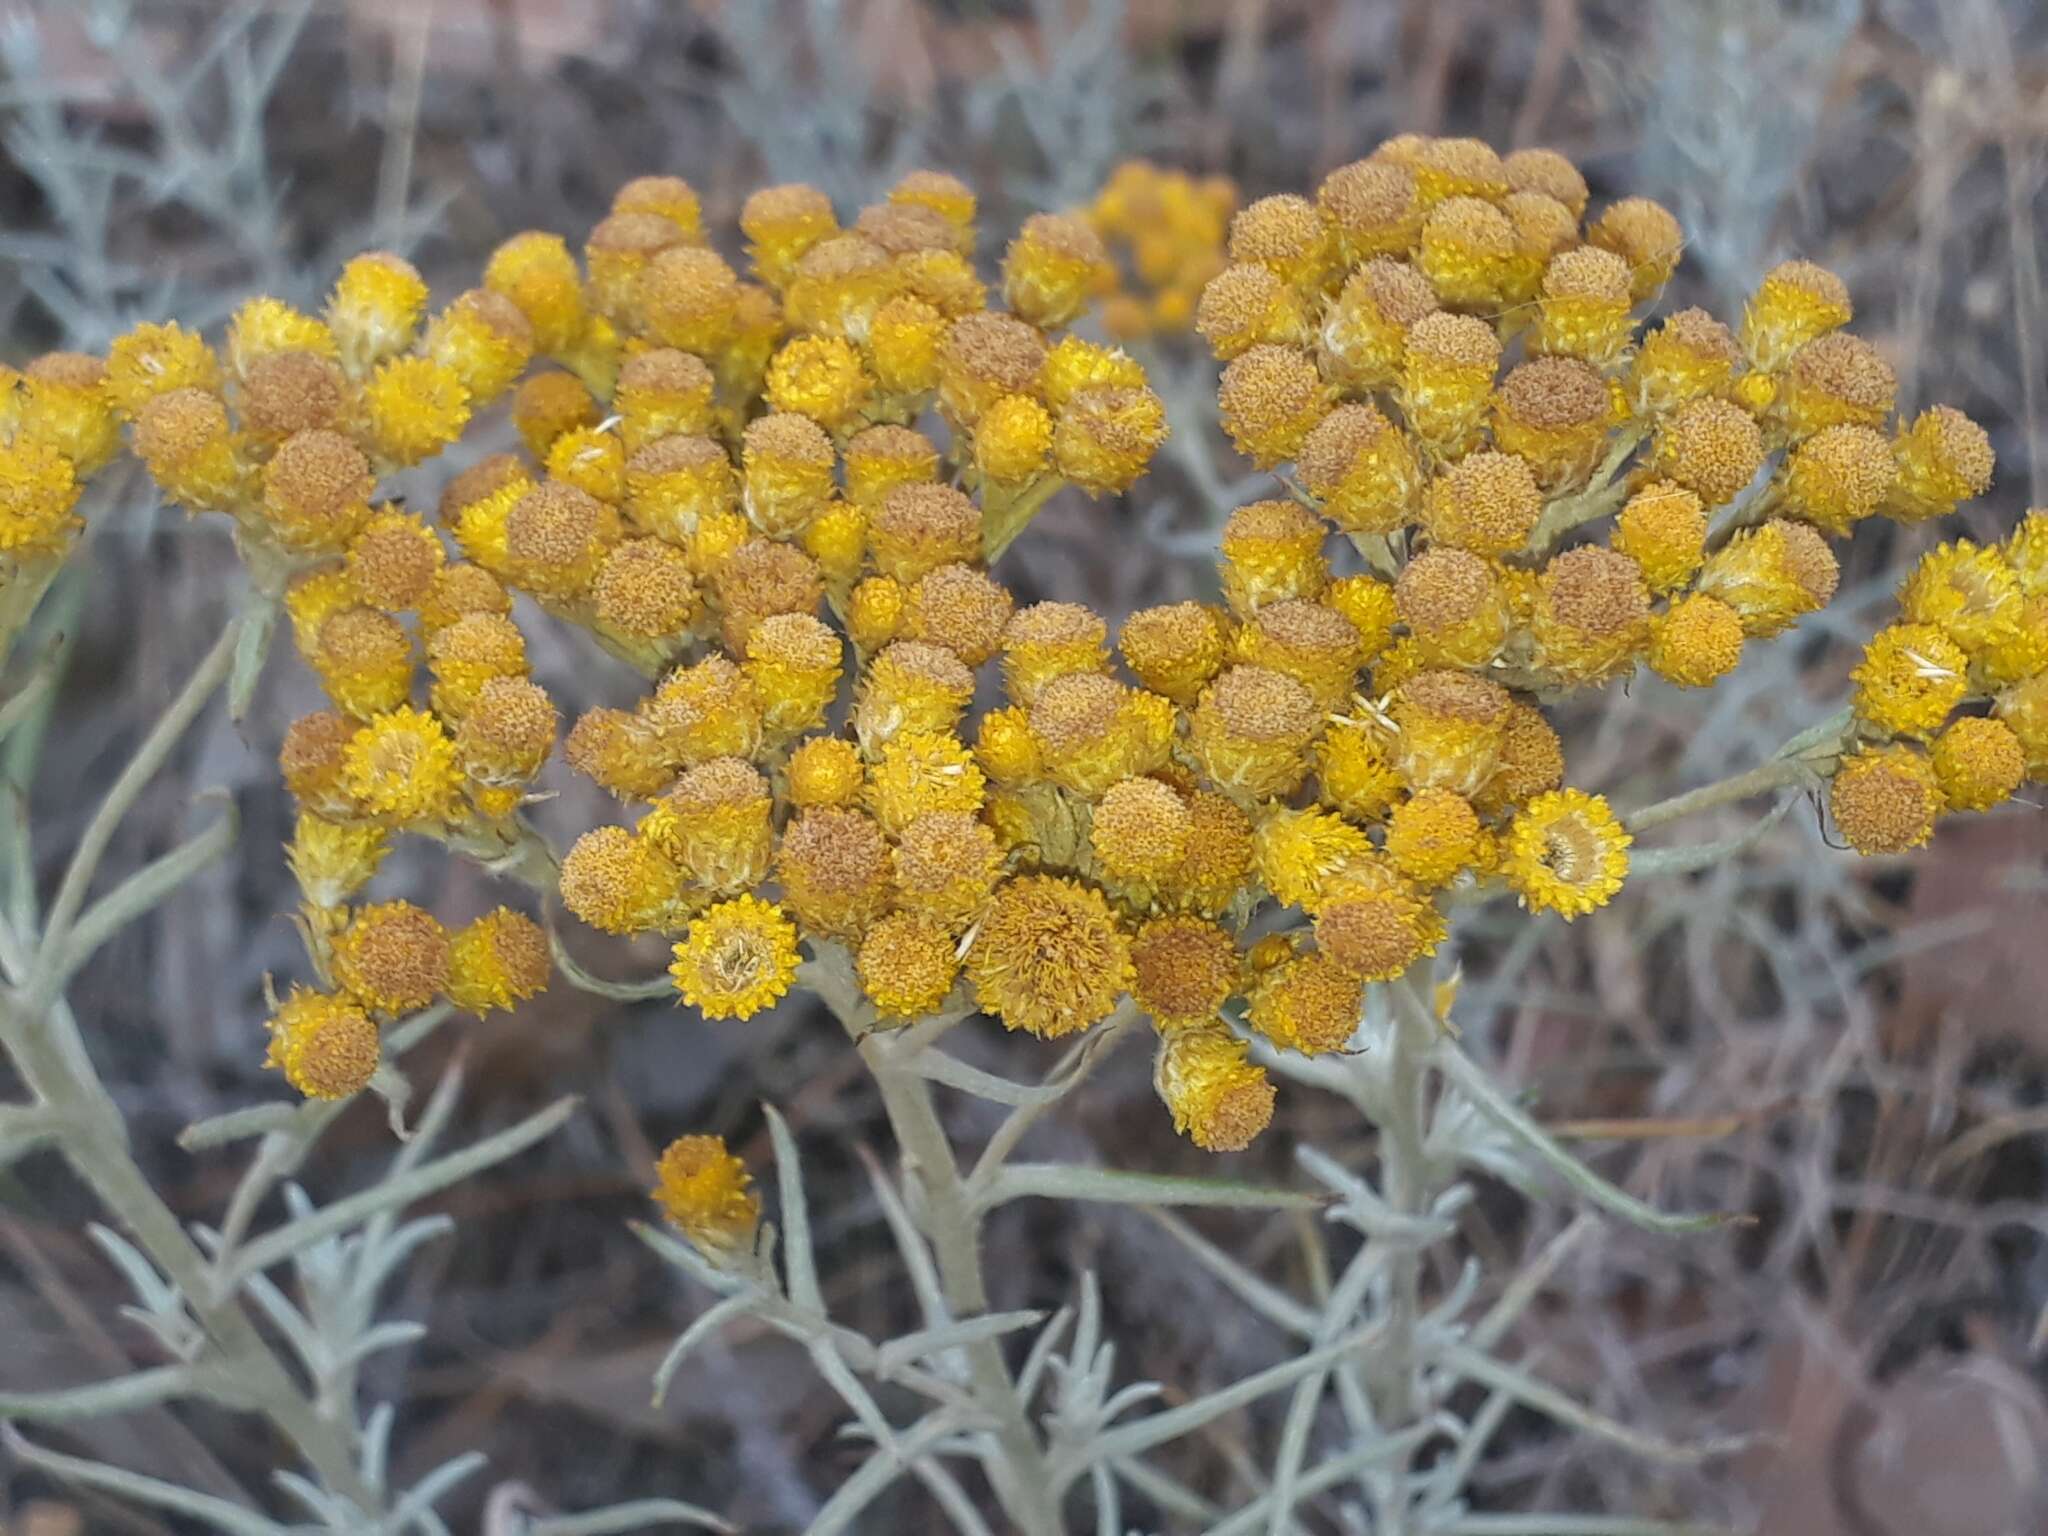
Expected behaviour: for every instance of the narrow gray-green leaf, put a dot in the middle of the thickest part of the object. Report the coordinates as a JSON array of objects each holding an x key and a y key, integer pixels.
[{"x": 1067, "y": 1181}]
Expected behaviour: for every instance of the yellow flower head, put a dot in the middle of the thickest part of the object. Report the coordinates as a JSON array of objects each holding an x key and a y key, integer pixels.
[
  {"x": 1711, "y": 448},
  {"x": 919, "y": 527},
  {"x": 793, "y": 660},
  {"x": 946, "y": 864},
  {"x": 1689, "y": 356},
  {"x": 1944, "y": 458},
  {"x": 984, "y": 357},
  {"x": 1663, "y": 528},
  {"x": 470, "y": 653},
  {"x": 907, "y": 964},
  {"x": 1979, "y": 763},
  {"x": 507, "y": 732},
  {"x": 1106, "y": 435},
  {"x": 1530, "y": 761},
  {"x": 1795, "y": 302},
  {"x": 619, "y": 883},
  {"x": 1051, "y": 640},
  {"x": 1310, "y": 642},
  {"x": 332, "y": 860},
  {"x": 738, "y": 958},
  {"x": 1362, "y": 341},
  {"x": 714, "y": 826},
  {"x": 1006, "y": 749},
  {"x": 1251, "y": 732},
  {"x": 1012, "y": 441},
  {"x": 1838, "y": 477},
  {"x": 1592, "y": 615},
  {"x": 1772, "y": 574},
  {"x": 401, "y": 766},
  {"x": 878, "y": 459},
  {"x": 1374, "y": 925},
  {"x": 645, "y": 590},
  {"x": 910, "y": 686},
  {"x": 1362, "y": 469},
  {"x": 1287, "y": 236},
  {"x": 823, "y": 378},
  {"x": 413, "y": 407},
  {"x": 1454, "y": 606},
  {"x": 316, "y": 491},
  {"x": 781, "y": 224},
  {"x": 153, "y": 360},
  {"x": 825, "y": 770},
  {"x": 536, "y": 272},
  {"x": 1565, "y": 852},
  {"x": 1299, "y": 853},
  {"x": 707, "y": 1194},
  {"x": 875, "y": 612},
  {"x": 1053, "y": 268},
  {"x": 1486, "y": 502},
  {"x": 905, "y": 339},
  {"x": 1432, "y": 835},
  {"x": 1048, "y": 956},
  {"x": 1271, "y": 398},
  {"x": 1272, "y": 551},
  {"x": 1248, "y": 305},
  {"x": 1911, "y": 676},
  {"x": 1646, "y": 236},
  {"x": 1372, "y": 208},
  {"x": 392, "y": 958},
  {"x": 393, "y": 560},
  {"x": 1834, "y": 379},
  {"x": 1553, "y": 413},
  {"x": 548, "y": 405},
  {"x": 1184, "y": 970},
  {"x": 458, "y": 590},
  {"x": 686, "y": 297},
  {"x": 920, "y": 771},
  {"x": 1175, "y": 649},
  {"x": 1310, "y": 1004},
  {"x": 1696, "y": 642},
  {"x": 364, "y": 659},
  {"x": 593, "y": 459},
  {"x": 708, "y": 709},
  {"x": 1465, "y": 251},
  {"x": 64, "y": 404},
  {"x": 38, "y": 489},
  {"x": 661, "y": 393},
  {"x": 945, "y": 195},
  {"x": 327, "y": 1047},
  {"x": 961, "y": 608},
  {"x": 375, "y": 308},
  {"x": 311, "y": 758},
  {"x": 834, "y": 868},
  {"x": 485, "y": 340},
  {"x": 556, "y": 540},
  {"x": 1140, "y": 830},
  {"x": 1091, "y": 731},
  {"x": 678, "y": 487},
  {"x": 1354, "y": 774},
  {"x": 1885, "y": 799},
  {"x": 1447, "y": 379},
  {"x": 1448, "y": 729},
  {"x": 1582, "y": 305},
  {"x": 1219, "y": 1100},
  {"x": 839, "y": 287}
]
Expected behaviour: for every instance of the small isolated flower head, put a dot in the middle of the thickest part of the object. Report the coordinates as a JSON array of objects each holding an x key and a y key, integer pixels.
[
  {"x": 1271, "y": 398},
  {"x": 401, "y": 766},
  {"x": 1372, "y": 209},
  {"x": 714, "y": 826},
  {"x": 507, "y": 732},
  {"x": 1663, "y": 528},
  {"x": 1696, "y": 642},
  {"x": 1837, "y": 477},
  {"x": 662, "y": 392},
  {"x": 1251, "y": 732},
  {"x": 1554, "y": 412},
  {"x": 1531, "y": 760},
  {"x": 1486, "y": 502},
  {"x": 1299, "y": 853},
  {"x": 781, "y": 224},
  {"x": 1092, "y": 731},
  {"x": 1548, "y": 172},
  {"x": 393, "y": 561},
  {"x": 960, "y": 607},
  {"x": 1592, "y": 615},
  {"x": 1712, "y": 448},
  {"x": 618, "y": 883},
  {"x": 364, "y": 659},
  {"x": 1566, "y": 853},
  {"x": 1646, "y": 236},
  {"x": 825, "y": 770},
  {"x": 644, "y": 589},
  {"x": 984, "y": 357},
  {"x": 1363, "y": 338},
  {"x": 875, "y": 612},
  {"x": 946, "y": 864},
  {"x": 1354, "y": 775},
  {"x": 327, "y": 1047},
  {"x": 413, "y": 407},
  {"x": 1772, "y": 574},
  {"x": 1310, "y": 642},
  {"x": 1432, "y": 835},
  {"x": 1051, "y": 640},
  {"x": 311, "y": 759},
  {"x": 1183, "y": 970},
  {"x": 687, "y": 298},
  {"x": 1106, "y": 434},
  {"x": 1796, "y": 302},
  {"x": 556, "y": 539},
  {"x": 1272, "y": 551},
  {"x": 536, "y": 272},
  {"x": 833, "y": 865},
  {"x": 1452, "y": 602},
  {"x": 1247, "y": 305},
  {"x": 1311, "y": 1004},
  {"x": 1219, "y": 1100},
  {"x": 907, "y": 965},
  {"x": 153, "y": 360},
  {"x": 1911, "y": 677},
  {"x": 548, "y": 405},
  {"x": 708, "y": 1195},
  {"x": 1978, "y": 762},
  {"x": 921, "y": 771},
  {"x": 62, "y": 403},
  {"x": 1140, "y": 830},
  {"x": 1054, "y": 267},
  {"x": 1583, "y": 305},
  {"x": 392, "y": 958},
  {"x": 1012, "y": 441},
  {"x": 1465, "y": 250},
  {"x": 919, "y": 527},
  {"x": 1374, "y": 925},
  {"x": 1885, "y": 799},
  {"x": 737, "y": 959},
  {"x": 1834, "y": 379},
  {"x": 375, "y": 308},
  {"x": 1690, "y": 355},
  {"x": 593, "y": 459},
  {"x": 1944, "y": 458},
  {"x": 470, "y": 653},
  {"x": 332, "y": 860},
  {"x": 485, "y": 339},
  {"x": 1447, "y": 378},
  {"x": 316, "y": 491},
  {"x": 904, "y": 343},
  {"x": 1006, "y": 749},
  {"x": 1048, "y": 956},
  {"x": 1175, "y": 649},
  {"x": 1448, "y": 728},
  {"x": 1360, "y": 467},
  {"x": 823, "y": 378},
  {"x": 37, "y": 493},
  {"x": 677, "y": 485},
  {"x": 1970, "y": 592},
  {"x": 878, "y": 459}
]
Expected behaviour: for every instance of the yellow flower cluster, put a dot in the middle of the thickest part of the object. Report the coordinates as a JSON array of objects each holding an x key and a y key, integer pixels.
[
  {"x": 1167, "y": 230},
  {"x": 58, "y": 428}
]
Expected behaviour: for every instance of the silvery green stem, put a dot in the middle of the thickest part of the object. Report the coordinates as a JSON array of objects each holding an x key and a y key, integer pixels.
[{"x": 1405, "y": 1187}]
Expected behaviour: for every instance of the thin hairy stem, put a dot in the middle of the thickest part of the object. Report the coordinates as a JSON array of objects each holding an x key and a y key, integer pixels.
[{"x": 1801, "y": 762}]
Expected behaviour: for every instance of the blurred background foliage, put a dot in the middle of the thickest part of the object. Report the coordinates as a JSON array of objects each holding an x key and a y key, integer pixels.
[{"x": 1853, "y": 1051}]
